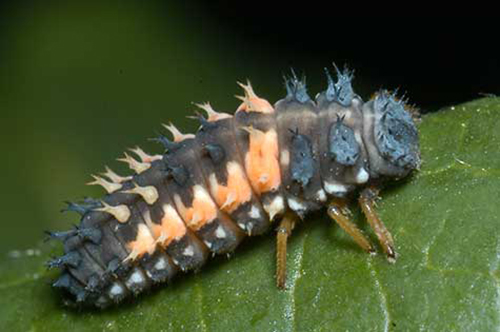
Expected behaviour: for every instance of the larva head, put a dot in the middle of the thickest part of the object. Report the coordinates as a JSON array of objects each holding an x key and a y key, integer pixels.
[{"x": 392, "y": 137}]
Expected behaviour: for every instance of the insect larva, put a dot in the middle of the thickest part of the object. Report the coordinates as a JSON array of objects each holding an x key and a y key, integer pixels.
[{"x": 236, "y": 176}]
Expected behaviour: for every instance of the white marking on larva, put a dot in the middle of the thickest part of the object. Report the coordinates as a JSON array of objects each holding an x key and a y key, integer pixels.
[
  {"x": 208, "y": 244},
  {"x": 146, "y": 215},
  {"x": 115, "y": 177},
  {"x": 334, "y": 187},
  {"x": 176, "y": 134},
  {"x": 362, "y": 176},
  {"x": 296, "y": 205},
  {"x": 188, "y": 251},
  {"x": 161, "y": 264},
  {"x": 285, "y": 158},
  {"x": 242, "y": 226},
  {"x": 231, "y": 198},
  {"x": 136, "y": 278},
  {"x": 171, "y": 212},
  {"x": 135, "y": 165},
  {"x": 108, "y": 186},
  {"x": 116, "y": 290},
  {"x": 277, "y": 206},
  {"x": 146, "y": 158},
  {"x": 321, "y": 195},
  {"x": 356, "y": 102},
  {"x": 358, "y": 138},
  {"x": 211, "y": 113},
  {"x": 220, "y": 233},
  {"x": 120, "y": 212},
  {"x": 249, "y": 230},
  {"x": 254, "y": 212},
  {"x": 213, "y": 184},
  {"x": 148, "y": 193}
]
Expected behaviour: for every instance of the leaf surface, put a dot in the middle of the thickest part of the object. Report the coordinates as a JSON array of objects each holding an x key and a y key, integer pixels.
[{"x": 445, "y": 221}]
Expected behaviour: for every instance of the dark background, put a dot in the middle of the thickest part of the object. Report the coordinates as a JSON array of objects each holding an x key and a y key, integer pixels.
[{"x": 82, "y": 81}]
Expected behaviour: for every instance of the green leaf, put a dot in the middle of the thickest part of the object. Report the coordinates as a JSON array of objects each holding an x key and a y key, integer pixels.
[{"x": 445, "y": 223}]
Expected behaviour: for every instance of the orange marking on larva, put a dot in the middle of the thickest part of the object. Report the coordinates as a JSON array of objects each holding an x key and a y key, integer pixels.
[
  {"x": 235, "y": 193},
  {"x": 144, "y": 243},
  {"x": 252, "y": 102},
  {"x": 171, "y": 227},
  {"x": 202, "y": 211},
  {"x": 261, "y": 160}
]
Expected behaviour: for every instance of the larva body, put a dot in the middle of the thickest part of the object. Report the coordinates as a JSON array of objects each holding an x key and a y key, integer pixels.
[{"x": 232, "y": 179}]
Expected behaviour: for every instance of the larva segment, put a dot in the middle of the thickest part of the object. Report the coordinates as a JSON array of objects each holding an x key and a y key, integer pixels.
[
  {"x": 136, "y": 239},
  {"x": 194, "y": 203},
  {"x": 343, "y": 157},
  {"x": 164, "y": 222},
  {"x": 261, "y": 161},
  {"x": 390, "y": 137},
  {"x": 201, "y": 211},
  {"x": 234, "y": 192},
  {"x": 257, "y": 140},
  {"x": 159, "y": 267},
  {"x": 136, "y": 235},
  {"x": 120, "y": 246},
  {"x": 296, "y": 116},
  {"x": 225, "y": 176},
  {"x": 81, "y": 273},
  {"x": 99, "y": 268},
  {"x": 166, "y": 226},
  {"x": 105, "y": 248}
]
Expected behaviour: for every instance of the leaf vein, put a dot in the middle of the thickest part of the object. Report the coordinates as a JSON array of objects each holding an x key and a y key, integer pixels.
[
  {"x": 289, "y": 308},
  {"x": 426, "y": 251},
  {"x": 382, "y": 295}
]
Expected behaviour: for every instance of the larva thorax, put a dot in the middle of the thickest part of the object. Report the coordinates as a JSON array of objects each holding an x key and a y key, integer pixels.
[{"x": 240, "y": 172}]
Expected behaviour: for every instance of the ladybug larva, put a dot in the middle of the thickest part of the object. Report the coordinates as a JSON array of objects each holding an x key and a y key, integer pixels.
[{"x": 234, "y": 178}]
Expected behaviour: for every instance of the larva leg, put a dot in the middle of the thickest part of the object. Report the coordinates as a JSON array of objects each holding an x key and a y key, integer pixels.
[
  {"x": 284, "y": 231},
  {"x": 367, "y": 203},
  {"x": 336, "y": 212}
]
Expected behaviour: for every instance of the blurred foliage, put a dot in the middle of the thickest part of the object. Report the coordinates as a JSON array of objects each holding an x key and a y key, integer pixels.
[
  {"x": 82, "y": 81},
  {"x": 445, "y": 223}
]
